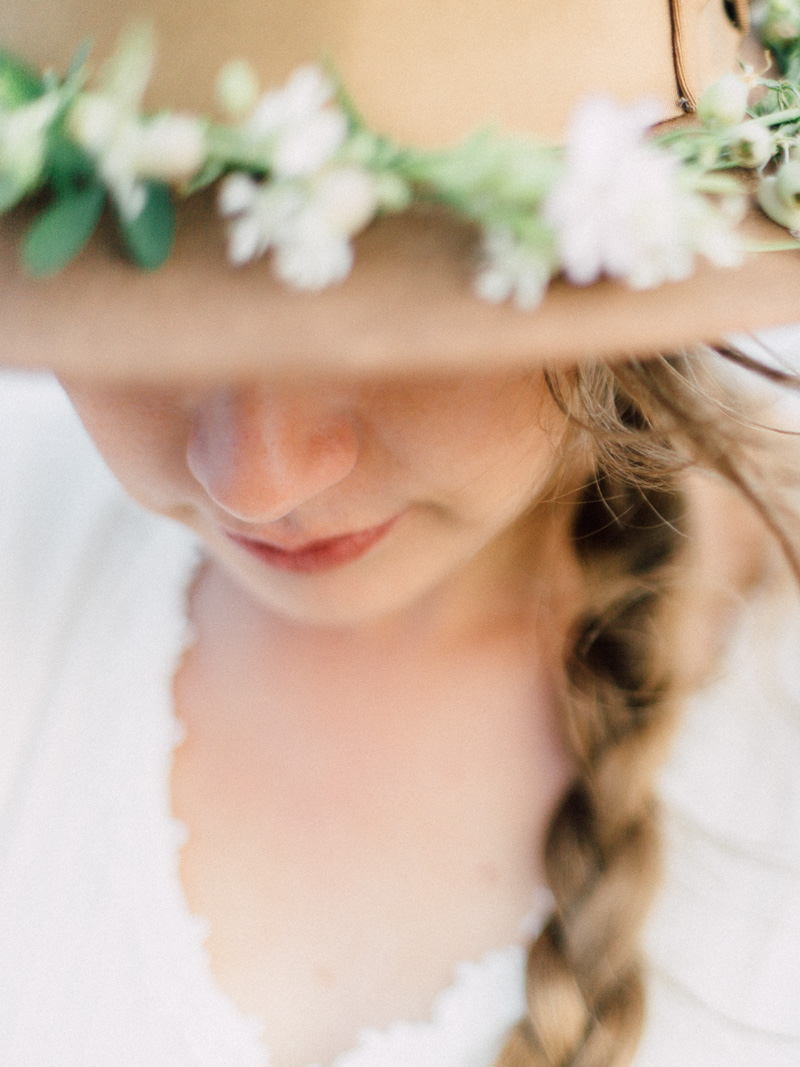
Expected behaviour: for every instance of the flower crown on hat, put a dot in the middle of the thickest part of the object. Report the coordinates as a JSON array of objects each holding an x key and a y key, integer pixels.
[{"x": 299, "y": 174}]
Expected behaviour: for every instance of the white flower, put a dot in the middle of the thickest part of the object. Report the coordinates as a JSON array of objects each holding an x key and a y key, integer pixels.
[
  {"x": 305, "y": 94},
  {"x": 511, "y": 270},
  {"x": 751, "y": 145},
  {"x": 304, "y": 129},
  {"x": 237, "y": 193},
  {"x": 128, "y": 72},
  {"x": 169, "y": 147},
  {"x": 23, "y": 131},
  {"x": 313, "y": 249},
  {"x": 261, "y": 213},
  {"x": 237, "y": 88},
  {"x": 92, "y": 121},
  {"x": 314, "y": 259},
  {"x": 346, "y": 198},
  {"x": 128, "y": 149},
  {"x": 621, "y": 208},
  {"x": 304, "y": 148},
  {"x": 714, "y": 228},
  {"x": 724, "y": 102},
  {"x": 307, "y": 225},
  {"x": 778, "y": 21},
  {"x": 779, "y": 196}
]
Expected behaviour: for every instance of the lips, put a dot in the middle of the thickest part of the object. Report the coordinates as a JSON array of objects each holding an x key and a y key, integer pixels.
[{"x": 317, "y": 555}]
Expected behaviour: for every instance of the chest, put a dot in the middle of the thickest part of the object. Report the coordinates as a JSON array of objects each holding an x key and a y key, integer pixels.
[{"x": 349, "y": 854}]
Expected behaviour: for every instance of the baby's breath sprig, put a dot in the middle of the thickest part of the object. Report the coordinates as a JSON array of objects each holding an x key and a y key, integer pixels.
[{"x": 299, "y": 174}]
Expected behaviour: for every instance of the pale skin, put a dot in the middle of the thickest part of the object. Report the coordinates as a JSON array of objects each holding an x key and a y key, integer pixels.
[{"x": 373, "y": 749}]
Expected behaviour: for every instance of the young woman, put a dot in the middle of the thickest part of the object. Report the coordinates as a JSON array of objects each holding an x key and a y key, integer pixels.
[{"x": 394, "y": 689}]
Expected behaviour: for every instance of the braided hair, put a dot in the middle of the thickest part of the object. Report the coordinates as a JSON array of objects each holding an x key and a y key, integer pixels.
[{"x": 645, "y": 425}]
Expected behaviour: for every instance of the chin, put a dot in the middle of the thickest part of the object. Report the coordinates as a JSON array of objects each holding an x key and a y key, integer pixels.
[
  {"x": 368, "y": 591},
  {"x": 392, "y": 579},
  {"x": 336, "y": 604}
]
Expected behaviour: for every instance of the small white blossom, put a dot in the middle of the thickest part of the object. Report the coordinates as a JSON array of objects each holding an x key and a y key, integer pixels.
[
  {"x": 237, "y": 193},
  {"x": 237, "y": 88},
  {"x": 779, "y": 196},
  {"x": 128, "y": 149},
  {"x": 511, "y": 271},
  {"x": 304, "y": 148},
  {"x": 714, "y": 228},
  {"x": 724, "y": 102},
  {"x": 92, "y": 121},
  {"x": 346, "y": 198},
  {"x": 127, "y": 74},
  {"x": 751, "y": 145},
  {"x": 787, "y": 183},
  {"x": 307, "y": 225},
  {"x": 777, "y": 20},
  {"x": 313, "y": 259},
  {"x": 23, "y": 132},
  {"x": 304, "y": 128},
  {"x": 170, "y": 147},
  {"x": 260, "y": 214},
  {"x": 621, "y": 208},
  {"x": 115, "y": 162},
  {"x": 305, "y": 94}
]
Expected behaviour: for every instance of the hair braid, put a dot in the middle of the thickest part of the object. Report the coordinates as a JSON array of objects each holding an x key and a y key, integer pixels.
[
  {"x": 642, "y": 425},
  {"x": 602, "y": 857}
]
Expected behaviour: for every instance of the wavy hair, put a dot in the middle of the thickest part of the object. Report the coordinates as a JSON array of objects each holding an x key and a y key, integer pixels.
[{"x": 644, "y": 425}]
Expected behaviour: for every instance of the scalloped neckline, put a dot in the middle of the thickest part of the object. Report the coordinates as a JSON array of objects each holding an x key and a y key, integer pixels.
[{"x": 499, "y": 971}]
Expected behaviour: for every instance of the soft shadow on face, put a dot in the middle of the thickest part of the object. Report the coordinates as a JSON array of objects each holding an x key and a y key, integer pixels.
[{"x": 429, "y": 473}]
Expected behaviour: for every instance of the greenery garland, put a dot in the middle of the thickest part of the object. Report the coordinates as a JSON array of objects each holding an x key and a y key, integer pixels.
[{"x": 299, "y": 173}]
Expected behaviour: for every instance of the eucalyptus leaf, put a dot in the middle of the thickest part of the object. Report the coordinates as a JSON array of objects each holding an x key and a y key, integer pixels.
[
  {"x": 213, "y": 170},
  {"x": 78, "y": 62},
  {"x": 62, "y": 230},
  {"x": 67, "y": 164},
  {"x": 150, "y": 236},
  {"x": 19, "y": 84},
  {"x": 11, "y": 192}
]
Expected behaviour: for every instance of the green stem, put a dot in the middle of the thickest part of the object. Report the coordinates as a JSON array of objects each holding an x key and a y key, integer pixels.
[
  {"x": 777, "y": 118},
  {"x": 717, "y": 183},
  {"x": 771, "y": 246},
  {"x": 680, "y": 135},
  {"x": 228, "y": 146}
]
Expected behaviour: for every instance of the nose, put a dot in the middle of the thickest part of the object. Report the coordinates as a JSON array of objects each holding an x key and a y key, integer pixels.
[{"x": 260, "y": 453}]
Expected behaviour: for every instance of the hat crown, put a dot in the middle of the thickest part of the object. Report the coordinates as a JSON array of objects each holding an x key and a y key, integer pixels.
[{"x": 425, "y": 73}]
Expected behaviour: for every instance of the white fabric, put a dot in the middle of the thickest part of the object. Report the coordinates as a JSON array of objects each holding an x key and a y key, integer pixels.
[{"x": 101, "y": 963}]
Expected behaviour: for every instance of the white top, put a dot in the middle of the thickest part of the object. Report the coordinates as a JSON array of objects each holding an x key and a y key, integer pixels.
[{"x": 101, "y": 962}]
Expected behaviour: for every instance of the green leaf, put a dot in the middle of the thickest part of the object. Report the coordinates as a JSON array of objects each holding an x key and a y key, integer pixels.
[
  {"x": 212, "y": 170},
  {"x": 77, "y": 64},
  {"x": 150, "y": 237},
  {"x": 11, "y": 192},
  {"x": 68, "y": 164},
  {"x": 19, "y": 84},
  {"x": 62, "y": 230}
]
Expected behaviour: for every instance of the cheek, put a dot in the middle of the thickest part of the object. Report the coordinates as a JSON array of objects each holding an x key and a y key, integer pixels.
[
  {"x": 142, "y": 437},
  {"x": 484, "y": 446}
]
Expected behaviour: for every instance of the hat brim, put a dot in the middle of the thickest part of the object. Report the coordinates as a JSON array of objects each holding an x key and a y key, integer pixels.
[{"x": 407, "y": 307}]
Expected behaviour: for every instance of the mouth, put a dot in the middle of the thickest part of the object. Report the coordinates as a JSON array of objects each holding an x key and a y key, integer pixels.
[{"x": 319, "y": 555}]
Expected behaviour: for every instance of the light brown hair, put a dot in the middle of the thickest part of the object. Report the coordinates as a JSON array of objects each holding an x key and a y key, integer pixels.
[{"x": 645, "y": 425}]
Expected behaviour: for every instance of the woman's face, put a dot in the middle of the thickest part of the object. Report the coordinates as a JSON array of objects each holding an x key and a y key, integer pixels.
[{"x": 339, "y": 502}]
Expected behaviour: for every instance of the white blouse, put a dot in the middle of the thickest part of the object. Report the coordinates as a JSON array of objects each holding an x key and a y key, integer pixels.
[{"x": 101, "y": 962}]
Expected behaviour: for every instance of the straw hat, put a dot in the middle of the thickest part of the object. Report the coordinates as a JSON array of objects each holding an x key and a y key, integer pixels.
[{"x": 427, "y": 74}]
